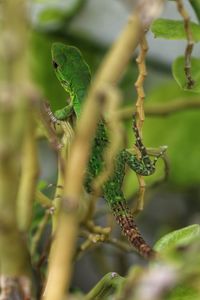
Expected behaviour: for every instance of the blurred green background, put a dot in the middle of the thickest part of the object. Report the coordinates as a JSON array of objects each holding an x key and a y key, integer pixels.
[{"x": 92, "y": 26}]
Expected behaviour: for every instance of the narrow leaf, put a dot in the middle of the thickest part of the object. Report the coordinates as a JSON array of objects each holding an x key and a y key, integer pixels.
[
  {"x": 174, "y": 29},
  {"x": 196, "y": 6},
  {"x": 179, "y": 237},
  {"x": 51, "y": 15}
]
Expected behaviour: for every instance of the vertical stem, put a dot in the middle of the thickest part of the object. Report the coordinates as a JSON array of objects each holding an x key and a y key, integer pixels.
[
  {"x": 140, "y": 111},
  {"x": 63, "y": 155},
  {"x": 190, "y": 43},
  {"x": 140, "y": 81},
  {"x": 29, "y": 174},
  {"x": 14, "y": 88}
]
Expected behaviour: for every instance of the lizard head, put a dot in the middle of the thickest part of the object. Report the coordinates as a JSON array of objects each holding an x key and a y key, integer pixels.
[{"x": 70, "y": 67}]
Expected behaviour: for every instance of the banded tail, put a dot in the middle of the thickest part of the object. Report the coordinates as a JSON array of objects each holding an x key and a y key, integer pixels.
[{"x": 129, "y": 228}]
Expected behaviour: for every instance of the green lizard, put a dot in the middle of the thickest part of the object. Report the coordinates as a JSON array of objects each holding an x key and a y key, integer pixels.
[{"x": 74, "y": 75}]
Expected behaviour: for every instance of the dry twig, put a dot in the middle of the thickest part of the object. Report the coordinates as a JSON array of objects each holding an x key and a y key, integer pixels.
[
  {"x": 160, "y": 110},
  {"x": 190, "y": 43},
  {"x": 140, "y": 81}
]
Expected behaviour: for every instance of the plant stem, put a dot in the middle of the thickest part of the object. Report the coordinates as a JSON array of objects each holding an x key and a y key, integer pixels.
[
  {"x": 15, "y": 94},
  {"x": 160, "y": 110},
  {"x": 190, "y": 43}
]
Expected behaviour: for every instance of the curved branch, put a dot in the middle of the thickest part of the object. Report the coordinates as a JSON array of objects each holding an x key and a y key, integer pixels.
[{"x": 163, "y": 109}]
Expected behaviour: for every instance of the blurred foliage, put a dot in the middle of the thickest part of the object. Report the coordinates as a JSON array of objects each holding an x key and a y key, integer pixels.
[{"x": 55, "y": 15}]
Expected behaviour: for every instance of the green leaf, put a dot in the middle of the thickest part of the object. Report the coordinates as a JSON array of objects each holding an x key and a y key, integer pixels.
[
  {"x": 60, "y": 14},
  {"x": 179, "y": 237},
  {"x": 196, "y": 6},
  {"x": 42, "y": 184},
  {"x": 179, "y": 74},
  {"x": 51, "y": 15},
  {"x": 174, "y": 29}
]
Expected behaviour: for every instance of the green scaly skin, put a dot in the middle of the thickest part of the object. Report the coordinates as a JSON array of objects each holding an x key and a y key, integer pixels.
[{"x": 74, "y": 75}]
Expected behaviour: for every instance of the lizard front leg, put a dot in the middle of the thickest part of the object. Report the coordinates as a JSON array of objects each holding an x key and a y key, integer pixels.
[
  {"x": 150, "y": 166},
  {"x": 64, "y": 113}
]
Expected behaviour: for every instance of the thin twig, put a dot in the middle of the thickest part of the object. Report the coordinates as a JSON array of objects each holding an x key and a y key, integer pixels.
[
  {"x": 161, "y": 110},
  {"x": 140, "y": 81},
  {"x": 29, "y": 175},
  {"x": 44, "y": 200},
  {"x": 140, "y": 109},
  {"x": 190, "y": 43},
  {"x": 37, "y": 236},
  {"x": 97, "y": 229},
  {"x": 93, "y": 239},
  {"x": 63, "y": 155},
  {"x": 124, "y": 246}
]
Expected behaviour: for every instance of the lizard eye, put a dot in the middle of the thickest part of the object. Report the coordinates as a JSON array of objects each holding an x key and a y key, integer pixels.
[{"x": 55, "y": 65}]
